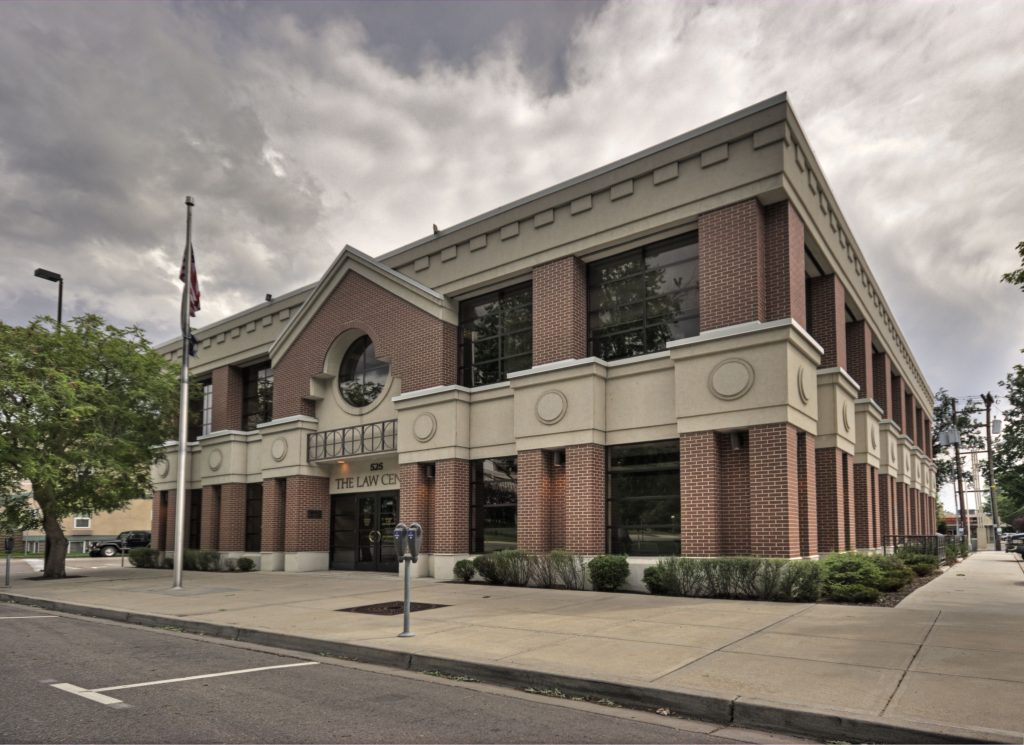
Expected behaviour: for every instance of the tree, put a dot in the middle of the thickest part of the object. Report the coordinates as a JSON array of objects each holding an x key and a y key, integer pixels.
[
  {"x": 1016, "y": 277},
  {"x": 1008, "y": 456},
  {"x": 82, "y": 408},
  {"x": 971, "y": 436}
]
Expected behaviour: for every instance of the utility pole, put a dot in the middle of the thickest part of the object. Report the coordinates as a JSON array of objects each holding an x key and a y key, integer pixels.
[
  {"x": 960, "y": 480},
  {"x": 987, "y": 398}
]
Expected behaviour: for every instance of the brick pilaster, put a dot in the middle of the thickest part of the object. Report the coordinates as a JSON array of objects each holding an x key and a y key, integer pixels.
[
  {"x": 159, "y": 520},
  {"x": 899, "y": 402},
  {"x": 731, "y": 265},
  {"x": 700, "y": 519},
  {"x": 559, "y": 311},
  {"x": 414, "y": 504},
  {"x": 733, "y": 497},
  {"x": 449, "y": 497},
  {"x": 807, "y": 493},
  {"x": 886, "y": 513},
  {"x": 232, "y": 517},
  {"x": 228, "y": 387},
  {"x": 774, "y": 500},
  {"x": 785, "y": 274},
  {"x": 902, "y": 517},
  {"x": 209, "y": 521},
  {"x": 273, "y": 516},
  {"x": 534, "y": 501},
  {"x": 302, "y": 532},
  {"x": 865, "y": 486},
  {"x": 859, "y": 356},
  {"x": 169, "y": 521},
  {"x": 583, "y": 521},
  {"x": 827, "y": 320},
  {"x": 881, "y": 368}
]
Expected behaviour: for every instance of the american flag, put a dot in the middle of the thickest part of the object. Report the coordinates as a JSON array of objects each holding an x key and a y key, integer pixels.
[{"x": 193, "y": 298}]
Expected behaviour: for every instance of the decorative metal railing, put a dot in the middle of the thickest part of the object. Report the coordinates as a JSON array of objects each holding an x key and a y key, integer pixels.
[
  {"x": 363, "y": 439},
  {"x": 921, "y": 544}
]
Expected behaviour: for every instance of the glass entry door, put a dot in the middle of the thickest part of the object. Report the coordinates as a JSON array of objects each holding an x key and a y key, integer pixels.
[{"x": 362, "y": 531}]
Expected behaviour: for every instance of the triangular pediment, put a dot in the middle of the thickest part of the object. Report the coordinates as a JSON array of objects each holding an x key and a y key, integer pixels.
[{"x": 353, "y": 260}]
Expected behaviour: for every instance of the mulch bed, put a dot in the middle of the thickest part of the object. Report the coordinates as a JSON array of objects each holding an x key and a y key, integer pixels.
[
  {"x": 392, "y": 608},
  {"x": 892, "y": 599}
]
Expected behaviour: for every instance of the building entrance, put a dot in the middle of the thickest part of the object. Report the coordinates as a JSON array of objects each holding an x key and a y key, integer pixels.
[{"x": 362, "y": 531}]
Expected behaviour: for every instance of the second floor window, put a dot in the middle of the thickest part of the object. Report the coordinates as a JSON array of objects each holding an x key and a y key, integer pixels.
[
  {"x": 641, "y": 299},
  {"x": 495, "y": 335},
  {"x": 258, "y": 396},
  {"x": 200, "y": 410}
]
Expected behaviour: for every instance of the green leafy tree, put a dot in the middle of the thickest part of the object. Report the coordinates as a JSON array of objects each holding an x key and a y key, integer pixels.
[
  {"x": 81, "y": 410},
  {"x": 1016, "y": 277},
  {"x": 1008, "y": 458},
  {"x": 971, "y": 436}
]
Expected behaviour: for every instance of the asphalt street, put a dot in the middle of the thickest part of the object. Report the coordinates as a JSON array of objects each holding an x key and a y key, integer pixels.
[{"x": 53, "y": 665}]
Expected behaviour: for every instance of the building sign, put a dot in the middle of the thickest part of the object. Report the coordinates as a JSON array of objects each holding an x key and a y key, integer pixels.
[{"x": 378, "y": 473}]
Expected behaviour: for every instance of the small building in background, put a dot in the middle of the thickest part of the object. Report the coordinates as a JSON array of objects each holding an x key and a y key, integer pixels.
[{"x": 83, "y": 530}]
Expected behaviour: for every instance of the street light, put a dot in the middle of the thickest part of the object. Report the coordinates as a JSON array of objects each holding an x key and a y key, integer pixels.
[{"x": 54, "y": 277}]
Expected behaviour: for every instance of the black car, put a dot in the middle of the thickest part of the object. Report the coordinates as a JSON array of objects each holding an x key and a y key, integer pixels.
[{"x": 127, "y": 540}]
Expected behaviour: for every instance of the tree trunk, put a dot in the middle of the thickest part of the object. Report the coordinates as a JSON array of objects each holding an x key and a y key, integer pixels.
[{"x": 53, "y": 568}]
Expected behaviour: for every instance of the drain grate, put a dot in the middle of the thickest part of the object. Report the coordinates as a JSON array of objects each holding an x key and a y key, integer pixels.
[{"x": 393, "y": 608}]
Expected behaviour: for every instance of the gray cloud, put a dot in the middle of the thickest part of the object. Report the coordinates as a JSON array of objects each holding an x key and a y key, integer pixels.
[{"x": 302, "y": 127}]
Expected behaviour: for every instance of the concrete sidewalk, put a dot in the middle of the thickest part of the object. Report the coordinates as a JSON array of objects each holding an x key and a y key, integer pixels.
[{"x": 941, "y": 667}]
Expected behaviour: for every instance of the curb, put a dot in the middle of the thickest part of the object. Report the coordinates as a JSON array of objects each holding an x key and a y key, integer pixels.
[{"x": 751, "y": 713}]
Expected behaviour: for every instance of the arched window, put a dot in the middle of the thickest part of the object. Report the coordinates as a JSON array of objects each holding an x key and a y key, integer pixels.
[{"x": 362, "y": 376}]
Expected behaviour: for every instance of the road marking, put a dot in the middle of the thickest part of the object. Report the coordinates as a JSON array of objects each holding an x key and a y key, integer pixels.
[
  {"x": 208, "y": 675},
  {"x": 85, "y": 693},
  {"x": 11, "y": 618}
]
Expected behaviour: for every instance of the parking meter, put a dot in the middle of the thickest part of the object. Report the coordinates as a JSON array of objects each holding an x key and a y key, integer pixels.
[
  {"x": 8, "y": 548},
  {"x": 401, "y": 540},
  {"x": 415, "y": 540},
  {"x": 8, "y": 544}
]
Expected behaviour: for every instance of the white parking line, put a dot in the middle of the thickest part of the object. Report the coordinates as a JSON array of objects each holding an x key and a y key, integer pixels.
[{"x": 95, "y": 694}]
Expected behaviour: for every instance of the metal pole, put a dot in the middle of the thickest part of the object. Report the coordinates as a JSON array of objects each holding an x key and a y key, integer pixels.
[
  {"x": 960, "y": 482},
  {"x": 179, "y": 497},
  {"x": 7, "y": 572},
  {"x": 405, "y": 621},
  {"x": 987, "y": 398},
  {"x": 60, "y": 302}
]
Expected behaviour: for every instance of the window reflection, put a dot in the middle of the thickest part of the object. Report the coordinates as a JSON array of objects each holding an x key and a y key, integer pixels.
[
  {"x": 643, "y": 499},
  {"x": 492, "y": 509},
  {"x": 362, "y": 375}
]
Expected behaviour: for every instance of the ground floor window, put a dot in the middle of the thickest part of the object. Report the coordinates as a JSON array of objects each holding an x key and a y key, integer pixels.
[
  {"x": 492, "y": 505},
  {"x": 643, "y": 499},
  {"x": 195, "y": 517},
  {"x": 253, "y": 516}
]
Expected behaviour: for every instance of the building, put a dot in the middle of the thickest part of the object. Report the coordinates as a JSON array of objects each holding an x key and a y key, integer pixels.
[
  {"x": 681, "y": 352},
  {"x": 83, "y": 530}
]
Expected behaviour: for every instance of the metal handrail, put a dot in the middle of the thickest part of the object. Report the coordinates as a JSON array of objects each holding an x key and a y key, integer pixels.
[{"x": 362, "y": 439}]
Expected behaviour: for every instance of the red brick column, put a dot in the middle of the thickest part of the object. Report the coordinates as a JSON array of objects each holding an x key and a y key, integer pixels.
[
  {"x": 209, "y": 521},
  {"x": 232, "y": 517},
  {"x": 731, "y": 265},
  {"x": 415, "y": 501},
  {"x": 273, "y": 520},
  {"x": 450, "y": 500},
  {"x": 301, "y": 533},
  {"x": 700, "y": 518},
  {"x": 859, "y": 356},
  {"x": 831, "y": 514},
  {"x": 909, "y": 418},
  {"x": 785, "y": 276},
  {"x": 734, "y": 515},
  {"x": 774, "y": 500},
  {"x": 807, "y": 491},
  {"x": 584, "y": 499},
  {"x": 159, "y": 520},
  {"x": 881, "y": 368},
  {"x": 849, "y": 502},
  {"x": 171, "y": 510},
  {"x": 559, "y": 311},
  {"x": 885, "y": 511},
  {"x": 898, "y": 402},
  {"x": 902, "y": 526},
  {"x": 534, "y": 501},
  {"x": 228, "y": 383},
  {"x": 827, "y": 320},
  {"x": 865, "y": 480}
]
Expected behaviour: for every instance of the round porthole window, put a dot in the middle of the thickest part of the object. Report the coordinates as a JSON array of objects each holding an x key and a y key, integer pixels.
[{"x": 362, "y": 375}]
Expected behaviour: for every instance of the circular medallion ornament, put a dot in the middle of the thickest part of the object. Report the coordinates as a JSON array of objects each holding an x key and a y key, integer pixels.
[
  {"x": 163, "y": 467},
  {"x": 874, "y": 439},
  {"x": 800, "y": 387},
  {"x": 424, "y": 427},
  {"x": 731, "y": 379},
  {"x": 279, "y": 449},
  {"x": 551, "y": 407},
  {"x": 215, "y": 459},
  {"x": 893, "y": 457},
  {"x": 846, "y": 416}
]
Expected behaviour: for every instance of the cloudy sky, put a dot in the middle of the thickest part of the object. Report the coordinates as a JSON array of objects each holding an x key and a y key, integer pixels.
[{"x": 301, "y": 127}]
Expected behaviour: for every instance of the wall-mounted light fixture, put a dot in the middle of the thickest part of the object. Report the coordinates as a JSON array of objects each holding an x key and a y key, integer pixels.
[{"x": 428, "y": 471}]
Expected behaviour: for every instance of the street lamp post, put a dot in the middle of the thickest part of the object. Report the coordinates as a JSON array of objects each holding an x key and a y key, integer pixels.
[{"x": 52, "y": 277}]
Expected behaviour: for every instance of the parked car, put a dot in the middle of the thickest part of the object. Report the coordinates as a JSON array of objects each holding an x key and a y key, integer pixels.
[
  {"x": 1013, "y": 541},
  {"x": 127, "y": 540}
]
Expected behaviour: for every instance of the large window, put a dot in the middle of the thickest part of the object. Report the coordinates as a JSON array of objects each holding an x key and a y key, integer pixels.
[
  {"x": 200, "y": 410},
  {"x": 641, "y": 299},
  {"x": 492, "y": 505},
  {"x": 362, "y": 375},
  {"x": 253, "y": 516},
  {"x": 495, "y": 335},
  {"x": 258, "y": 396},
  {"x": 195, "y": 517},
  {"x": 643, "y": 499}
]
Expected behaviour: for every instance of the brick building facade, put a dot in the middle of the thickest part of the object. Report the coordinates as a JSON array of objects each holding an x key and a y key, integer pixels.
[{"x": 683, "y": 352}]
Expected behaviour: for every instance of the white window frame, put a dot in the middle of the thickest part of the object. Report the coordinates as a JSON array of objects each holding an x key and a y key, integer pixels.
[{"x": 88, "y": 523}]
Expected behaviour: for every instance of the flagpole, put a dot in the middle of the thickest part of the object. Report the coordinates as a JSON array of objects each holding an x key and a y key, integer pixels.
[{"x": 179, "y": 494}]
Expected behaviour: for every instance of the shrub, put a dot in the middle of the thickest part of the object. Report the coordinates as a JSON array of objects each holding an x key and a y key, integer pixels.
[
  {"x": 745, "y": 577},
  {"x": 245, "y": 564},
  {"x": 542, "y": 571},
  {"x": 853, "y": 593},
  {"x": 851, "y": 569},
  {"x": 144, "y": 558},
  {"x": 202, "y": 560},
  {"x": 512, "y": 567},
  {"x": 895, "y": 573},
  {"x": 487, "y": 568},
  {"x": 568, "y": 568},
  {"x": 464, "y": 570},
  {"x": 230, "y": 565},
  {"x": 952, "y": 553},
  {"x": 168, "y": 563},
  {"x": 801, "y": 581},
  {"x": 607, "y": 572},
  {"x": 655, "y": 579},
  {"x": 923, "y": 566}
]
